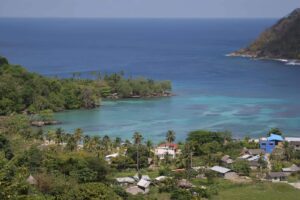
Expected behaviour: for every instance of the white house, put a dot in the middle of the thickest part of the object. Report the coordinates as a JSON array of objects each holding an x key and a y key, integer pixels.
[
  {"x": 109, "y": 157},
  {"x": 166, "y": 149}
]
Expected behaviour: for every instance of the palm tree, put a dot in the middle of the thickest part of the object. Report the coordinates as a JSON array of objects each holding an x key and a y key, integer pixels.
[
  {"x": 78, "y": 135},
  {"x": 288, "y": 151},
  {"x": 137, "y": 137},
  {"x": 86, "y": 141},
  {"x": 117, "y": 142},
  {"x": 187, "y": 155},
  {"x": 59, "y": 135},
  {"x": 51, "y": 136},
  {"x": 149, "y": 145},
  {"x": 95, "y": 143},
  {"x": 71, "y": 144},
  {"x": 170, "y": 136},
  {"x": 106, "y": 142}
]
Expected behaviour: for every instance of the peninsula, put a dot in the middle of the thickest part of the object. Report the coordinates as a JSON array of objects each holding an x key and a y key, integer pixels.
[
  {"x": 22, "y": 91},
  {"x": 281, "y": 41}
]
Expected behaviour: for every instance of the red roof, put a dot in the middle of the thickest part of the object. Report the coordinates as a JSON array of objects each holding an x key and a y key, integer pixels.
[{"x": 169, "y": 145}]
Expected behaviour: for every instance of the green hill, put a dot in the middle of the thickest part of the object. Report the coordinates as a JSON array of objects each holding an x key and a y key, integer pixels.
[{"x": 282, "y": 40}]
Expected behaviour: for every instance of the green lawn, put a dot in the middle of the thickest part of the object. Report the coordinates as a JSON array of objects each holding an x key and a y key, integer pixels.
[{"x": 258, "y": 191}]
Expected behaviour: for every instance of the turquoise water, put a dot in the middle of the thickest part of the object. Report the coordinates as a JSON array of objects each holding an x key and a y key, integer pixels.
[{"x": 213, "y": 91}]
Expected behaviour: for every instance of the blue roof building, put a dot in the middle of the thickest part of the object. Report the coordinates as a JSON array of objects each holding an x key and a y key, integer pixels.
[
  {"x": 269, "y": 143},
  {"x": 274, "y": 137}
]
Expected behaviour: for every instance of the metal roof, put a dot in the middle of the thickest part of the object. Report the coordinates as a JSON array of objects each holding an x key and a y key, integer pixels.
[
  {"x": 254, "y": 158},
  {"x": 220, "y": 169},
  {"x": 293, "y": 168},
  {"x": 275, "y": 137},
  {"x": 143, "y": 183},
  {"x": 125, "y": 180},
  {"x": 160, "y": 178},
  {"x": 292, "y": 139},
  {"x": 277, "y": 174}
]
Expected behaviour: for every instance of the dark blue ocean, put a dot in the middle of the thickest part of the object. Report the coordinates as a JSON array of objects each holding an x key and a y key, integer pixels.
[{"x": 213, "y": 91}]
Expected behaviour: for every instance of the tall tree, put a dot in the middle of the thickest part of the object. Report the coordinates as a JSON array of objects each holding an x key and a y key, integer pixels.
[
  {"x": 106, "y": 143},
  {"x": 149, "y": 145},
  {"x": 71, "y": 143},
  {"x": 117, "y": 142},
  {"x": 59, "y": 135},
  {"x": 86, "y": 141},
  {"x": 276, "y": 131},
  {"x": 78, "y": 135},
  {"x": 170, "y": 136},
  {"x": 137, "y": 137}
]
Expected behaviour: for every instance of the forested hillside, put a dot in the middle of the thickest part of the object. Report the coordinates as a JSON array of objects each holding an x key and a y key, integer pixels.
[
  {"x": 23, "y": 91},
  {"x": 282, "y": 40}
]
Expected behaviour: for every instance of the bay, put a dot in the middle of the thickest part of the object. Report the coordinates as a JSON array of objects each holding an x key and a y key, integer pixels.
[{"x": 213, "y": 91}]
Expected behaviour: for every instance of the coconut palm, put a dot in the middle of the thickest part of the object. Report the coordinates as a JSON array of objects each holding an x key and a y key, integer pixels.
[
  {"x": 117, "y": 142},
  {"x": 86, "y": 141},
  {"x": 137, "y": 137},
  {"x": 187, "y": 155},
  {"x": 71, "y": 144},
  {"x": 149, "y": 145},
  {"x": 95, "y": 143},
  {"x": 170, "y": 136},
  {"x": 106, "y": 142},
  {"x": 59, "y": 135},
  {"x": 51, "y": 136},
  {"x": 78, "y": 135}
]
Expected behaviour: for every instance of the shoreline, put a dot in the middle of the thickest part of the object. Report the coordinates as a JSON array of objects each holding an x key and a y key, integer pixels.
[
  {"x": 40, "y": 123},
  {"x": 293, "y": 62}
]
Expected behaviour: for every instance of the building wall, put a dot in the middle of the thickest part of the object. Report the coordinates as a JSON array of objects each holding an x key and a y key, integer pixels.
[{"x": 266, "y": 145}]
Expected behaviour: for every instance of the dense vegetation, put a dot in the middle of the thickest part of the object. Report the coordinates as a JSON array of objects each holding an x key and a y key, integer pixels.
[
  {"x": 282, "y": 40},
  {"x": 72, "y": 165},
  {"x": 23, "y": 91}
]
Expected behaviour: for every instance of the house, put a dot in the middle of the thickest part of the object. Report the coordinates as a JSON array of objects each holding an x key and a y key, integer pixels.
[
  {"x": 220, "y": 170},
  {"x": 183, "y": 183},
  {"x": 226, "y": 160},
  {"x": 146, "y": 177},
  {"x": 160, "y": 178},
  {"x": 109, "y": 157},
  {"x": 31, "y": 180},
  {"x": 134, "y": 190},
  {"x": 254, "y": 164},
  {"x": 254, "y": 158},
  {"x": 294, "y": 142},
  {"x": 277, "y": 176},
  {"x": 292, "y": 169},
  {"x": 244, "y": 157},
  {"x": 166, "y": 149},
  {"x": 124, "y": 181},
  {"x": 144, "y": 185},
  {"x": 269, "y": 143},
  {"x": 255, "y": 152},
  {"x": 231, "y": 176}
]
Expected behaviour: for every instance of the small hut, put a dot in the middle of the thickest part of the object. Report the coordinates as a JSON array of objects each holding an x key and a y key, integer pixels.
[
  {"x": 183, "y": 183},
  {"x": 31, "y": 180}
]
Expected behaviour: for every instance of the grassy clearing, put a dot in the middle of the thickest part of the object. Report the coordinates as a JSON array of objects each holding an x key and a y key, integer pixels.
[{"x": 258, "y": 191}]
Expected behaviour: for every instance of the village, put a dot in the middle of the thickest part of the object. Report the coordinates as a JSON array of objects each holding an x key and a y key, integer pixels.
[
  {"x": 254, "y": 157},
  {"x": 267, "y": 159}
]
